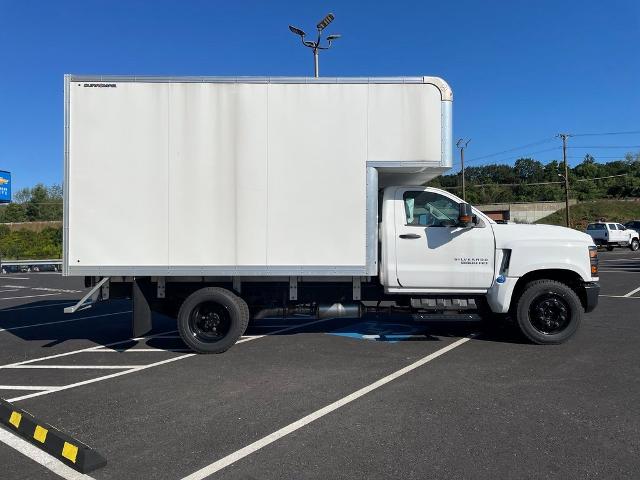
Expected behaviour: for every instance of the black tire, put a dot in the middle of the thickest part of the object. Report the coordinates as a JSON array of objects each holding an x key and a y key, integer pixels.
[
  {"x": 548, "y": 312},
  {"x": 609, "y": 248},
  {"x": 634, "y": 245},
  {"x": 212, "y": 319}
]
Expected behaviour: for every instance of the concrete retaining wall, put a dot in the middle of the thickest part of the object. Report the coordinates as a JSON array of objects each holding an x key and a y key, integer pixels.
[{"x": 522, "y": 212}]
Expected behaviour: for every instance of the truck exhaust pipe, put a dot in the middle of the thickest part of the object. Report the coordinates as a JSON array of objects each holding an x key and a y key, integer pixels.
[
  {"x": 320, "y": 311},
  {"x": 339, "y": 310}
]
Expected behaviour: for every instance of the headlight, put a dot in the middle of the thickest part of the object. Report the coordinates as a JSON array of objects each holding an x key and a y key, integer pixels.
[{"x": 593, "y": 260}]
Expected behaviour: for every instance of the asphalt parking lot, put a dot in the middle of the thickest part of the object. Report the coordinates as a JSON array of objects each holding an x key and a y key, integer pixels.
[{"x": 369, "y": 398}]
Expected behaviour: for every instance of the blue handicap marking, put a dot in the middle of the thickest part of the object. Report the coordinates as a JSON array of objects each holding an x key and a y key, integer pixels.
[{"x": 381, "y": 331}]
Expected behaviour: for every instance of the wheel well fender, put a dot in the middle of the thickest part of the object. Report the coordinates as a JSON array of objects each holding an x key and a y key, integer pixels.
[{"x": 568, "y": 277}]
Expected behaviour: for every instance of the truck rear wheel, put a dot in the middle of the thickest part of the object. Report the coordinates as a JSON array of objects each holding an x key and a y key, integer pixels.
[
  {"x": 548, "y": 312},
  {"x": 609, "y": 248},
  {"x": 212, "y": 319},
  {"x": 634, "y": 245}
]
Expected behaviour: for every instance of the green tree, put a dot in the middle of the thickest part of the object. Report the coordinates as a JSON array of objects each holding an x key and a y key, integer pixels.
[{"x": 14, "y": 212}]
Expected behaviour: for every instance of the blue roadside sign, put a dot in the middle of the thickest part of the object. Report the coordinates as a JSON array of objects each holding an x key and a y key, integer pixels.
[{"x": 5, "y": 187}]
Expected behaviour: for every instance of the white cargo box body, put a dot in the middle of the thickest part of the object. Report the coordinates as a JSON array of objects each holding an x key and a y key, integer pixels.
[{"x": 241, "y": 176}]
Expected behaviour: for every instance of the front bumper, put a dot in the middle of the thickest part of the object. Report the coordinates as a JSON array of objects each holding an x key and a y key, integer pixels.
[{"x": 591, "y": 290}]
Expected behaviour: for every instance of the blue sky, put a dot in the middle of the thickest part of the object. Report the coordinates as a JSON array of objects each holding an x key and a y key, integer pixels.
[{"x": 521, "y": 71}]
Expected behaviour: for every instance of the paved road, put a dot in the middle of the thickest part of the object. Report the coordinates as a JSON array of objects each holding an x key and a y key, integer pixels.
[{"x": 333, "y": 399}]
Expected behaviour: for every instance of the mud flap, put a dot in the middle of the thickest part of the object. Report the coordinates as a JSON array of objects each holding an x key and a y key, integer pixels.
[{"x": 142, "y": 295}]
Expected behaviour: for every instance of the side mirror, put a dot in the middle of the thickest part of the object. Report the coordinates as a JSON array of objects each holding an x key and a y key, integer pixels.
[{"x": 465, "y": 215}]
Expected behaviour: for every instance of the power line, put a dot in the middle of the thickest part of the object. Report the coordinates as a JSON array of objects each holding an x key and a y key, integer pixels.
[
  {"x": 605, "y": 146},
  {"x": 596, "y": 157},
  {"x": 521, "y": 184},
  {"x": 533, "y": 144},
  {"x": 525, "y": 155},
  {"x": 530, "y": 154},
  {"x": 600, "y": 178},
  {"x": 633, "y": 132}
]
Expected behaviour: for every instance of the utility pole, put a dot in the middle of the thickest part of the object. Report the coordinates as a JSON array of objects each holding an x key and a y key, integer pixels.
[
  {"x": 322, "y": 24},
  {"x": 564, "y": 137},
  {"x": 462, "y": 145}
]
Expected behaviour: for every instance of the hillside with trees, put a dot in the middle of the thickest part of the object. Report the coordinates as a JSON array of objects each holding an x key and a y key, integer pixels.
[
  {"x": 586, "y": 212},
  {"x": 528, "y": 180},
  {"x": 40, "y": 203}
]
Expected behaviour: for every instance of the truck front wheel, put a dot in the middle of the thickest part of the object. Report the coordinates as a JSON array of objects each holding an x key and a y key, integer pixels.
[
  {"x": 212, "y": 319},
  {"x": 548, "y": 312},
  {"x": 634, "y": 245}
]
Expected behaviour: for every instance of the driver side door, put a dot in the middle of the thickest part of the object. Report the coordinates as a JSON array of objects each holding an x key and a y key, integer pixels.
[{"x": 433, "y": 252}]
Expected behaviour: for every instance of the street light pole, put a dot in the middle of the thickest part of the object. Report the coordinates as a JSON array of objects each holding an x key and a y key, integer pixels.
[
  {"x": 322, "y": 24},
  {"x": 564, "y": 137},
  {"x": 462, "y": 145}
]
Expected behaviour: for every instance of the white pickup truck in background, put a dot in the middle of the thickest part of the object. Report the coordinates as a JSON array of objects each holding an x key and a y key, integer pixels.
[{"x": 611, "y": 235}]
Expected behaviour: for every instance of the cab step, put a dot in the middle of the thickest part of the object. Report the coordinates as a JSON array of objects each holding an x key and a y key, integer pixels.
[{"x": 445, "y": 303}]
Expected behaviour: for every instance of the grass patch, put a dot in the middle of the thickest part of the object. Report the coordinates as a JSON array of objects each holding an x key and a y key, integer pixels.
[{"x": 586, "y": 212}]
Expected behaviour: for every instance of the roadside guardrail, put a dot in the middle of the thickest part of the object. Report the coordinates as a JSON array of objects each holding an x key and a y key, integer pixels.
[{"x": 30, "y": 262}]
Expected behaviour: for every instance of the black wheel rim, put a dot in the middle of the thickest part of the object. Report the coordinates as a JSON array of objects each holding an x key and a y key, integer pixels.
[
  {"x": 209, "y": 322},
  {"x": 549, "y": 313}
]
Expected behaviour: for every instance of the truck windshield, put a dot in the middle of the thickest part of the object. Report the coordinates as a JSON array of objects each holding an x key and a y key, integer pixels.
[{"x": 430, "y": 209}]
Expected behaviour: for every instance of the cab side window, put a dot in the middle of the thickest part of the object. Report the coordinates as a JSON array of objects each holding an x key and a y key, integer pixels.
[{"x": 429, "y": 209}]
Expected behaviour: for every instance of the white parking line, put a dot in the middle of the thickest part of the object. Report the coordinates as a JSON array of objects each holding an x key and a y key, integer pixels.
[
  {"x": 27, "y": 387},
  {"x": 49, "y": 289},
  {"x": 137, "y": 368},
  {"x": 99, "y": 379},
  {"x": 618, "y": 296},
  {"x": 40, "y": 456},
  {"x": 167, "y": 336},
  {"x": 632, "y": 292},
  {"x": 37, "y": 306},
  {"x": 619, "y": 271},
  {"x": 268, "y": 326},
  {"x": 79, "y": 367},
  {"x": 30, "y": 296},
  {"x": 60, "y": 321},
  {"x": 73, "y": 352},
  {"x": 14, "y": 278},
  {"x": 139, "y": 350},
  {"x": 620, "y": 259},
  {"x": 278, "y": 434},
  {"x": 12, "y": 290}
]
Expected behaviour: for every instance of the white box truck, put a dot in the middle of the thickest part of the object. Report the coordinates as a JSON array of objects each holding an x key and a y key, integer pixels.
[{"x": 220, "y": 199}]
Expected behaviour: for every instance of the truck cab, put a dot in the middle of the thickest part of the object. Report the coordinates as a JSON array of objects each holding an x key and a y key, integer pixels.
[{"x": 435, "y": 245}]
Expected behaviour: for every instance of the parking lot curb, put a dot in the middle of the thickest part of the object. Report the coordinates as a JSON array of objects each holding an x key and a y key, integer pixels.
[{"x": 65, "y": 448}]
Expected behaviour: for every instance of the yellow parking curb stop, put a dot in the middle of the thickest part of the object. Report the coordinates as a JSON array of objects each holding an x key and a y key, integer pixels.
[{"x": 65, "y": 448}]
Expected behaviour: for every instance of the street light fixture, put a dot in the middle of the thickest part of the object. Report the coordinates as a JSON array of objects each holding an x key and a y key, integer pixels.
[
  {"x": 316, "y": 46},
  {"x": 297, "y": 31},
  {"x": 324, "y": 23}
]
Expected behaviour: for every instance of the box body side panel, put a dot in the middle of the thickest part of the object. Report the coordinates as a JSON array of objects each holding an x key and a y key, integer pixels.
[
  {"x": 317, "y": 174},
  {"x": 223, "y": 177},
  {"x": 117, "y": 175}
]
